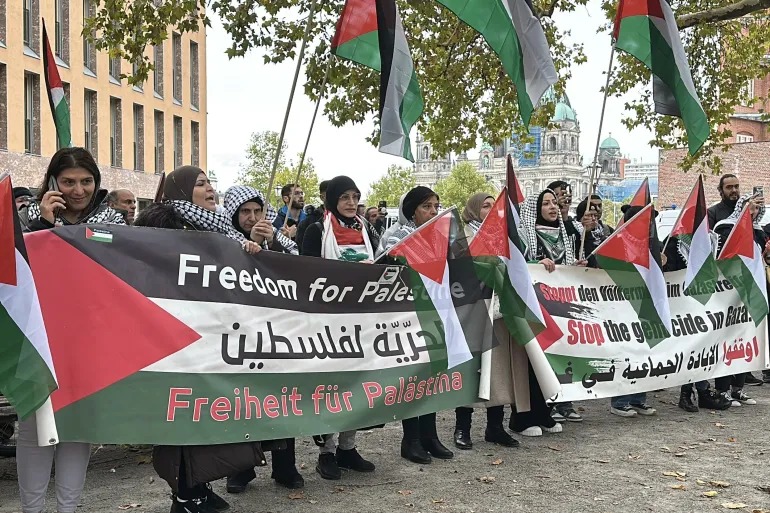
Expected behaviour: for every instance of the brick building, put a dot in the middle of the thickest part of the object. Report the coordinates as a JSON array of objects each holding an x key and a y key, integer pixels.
[{"x": 747, "y": 123}]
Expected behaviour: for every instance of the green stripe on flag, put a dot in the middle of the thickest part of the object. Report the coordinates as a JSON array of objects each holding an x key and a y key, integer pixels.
[
  {"x": 411, "y": 109},
  {"x": 742, "y": 280},
  {"x": 364, "y": 49},
  {"x": 62, "y": 120},
  {"x": 25, "y": 379}
]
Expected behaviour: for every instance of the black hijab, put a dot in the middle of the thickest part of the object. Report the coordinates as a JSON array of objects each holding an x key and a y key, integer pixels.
[
  {"x": 414, "y": 199},
  {"x": 540, "y": 219},
  {"x": 336, "y": 188},
  {"x": 180, "y": 183}
]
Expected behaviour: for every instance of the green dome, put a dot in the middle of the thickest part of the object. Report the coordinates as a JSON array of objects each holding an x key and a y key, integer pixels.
[
  {"x": 563, "y": 112},
  {"x": 610, "y": 144}
]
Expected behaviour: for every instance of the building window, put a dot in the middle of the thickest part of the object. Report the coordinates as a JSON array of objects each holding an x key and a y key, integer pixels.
[
  {"x": 195, "y": 143},
  {"x": 115, "y": 69},
  {"x": 573, "y": 146},
  {"x": 31, "y": 113},
  {"x": 27, "y": 22},
  {"x": 138, "y": 137},
  {"x": 158, "y": 73},
  {"x": 194, "y": 88},
  {"x": 89, "y": 50},
  {"x": 89, "y": 120},
  {"x": 158, "y": 142},
  {"x": 176, "y": 60},
  {"x": 116, "y": 133},
  {"x": 62, "y": 30},
  {"x": 552, "y": 143},
  {"x": 31, "y": 25},
  {"x": 134, "y": 69},
  {"x": 748, "y": 92},
  {"x": 177, "y": 141},
  {"x": 3, "y": 105},
  {"x": 744, "y": 138}
]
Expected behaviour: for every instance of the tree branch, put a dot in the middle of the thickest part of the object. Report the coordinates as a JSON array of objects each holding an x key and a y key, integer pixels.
[
  {"x": 551, "y": 8},
  {"x": 728, "y": 12}
]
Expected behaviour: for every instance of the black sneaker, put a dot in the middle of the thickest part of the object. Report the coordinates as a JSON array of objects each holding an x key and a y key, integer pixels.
[
  {"x": 498, "y": 435},
  {"x": 237, "y": 483},
  {"x": 191, "y": 506},
  {"x": 215, "y": 501},
  {"x": 766, "y": 376},
  {"x": 686, "y": 401},
  {"x": 711, "y": 400},
  {"x": 327, "y": 467},
  {"x": 352, "y": 460},
  {"x": 291, "y": 479},
  {"x": 753, "y": 381}
]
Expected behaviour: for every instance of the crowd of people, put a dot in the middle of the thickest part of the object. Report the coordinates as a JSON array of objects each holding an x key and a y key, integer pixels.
[{"x": 341, "y": 228}]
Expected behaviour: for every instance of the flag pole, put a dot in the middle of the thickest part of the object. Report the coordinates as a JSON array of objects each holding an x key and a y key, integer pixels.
[
  {"x": 308, "y": 27},
  {"x": 596, "y": 152}
]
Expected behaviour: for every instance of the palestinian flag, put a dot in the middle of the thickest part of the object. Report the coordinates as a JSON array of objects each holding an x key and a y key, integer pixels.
[
  {"x": 626, "y": 256},
  {"x": 513, "y": 31},
  {"x": 692, "y": 228},
  {"x": 641, "y": 198},
  {"x": 647, "y": 30},
  {"x": 59, "y": 108},
  {"x": 27, "y": 375},
  {"x": 740, "y": 261},
  {"x": 370, "y": 32},
  {"x": 514, "y": 189}
]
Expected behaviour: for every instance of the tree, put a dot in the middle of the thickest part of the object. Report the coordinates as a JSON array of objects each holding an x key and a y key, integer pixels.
[
  {"x": 256, "y": 172},
  {"x": 463, "y": 182},
  {"x": 467, "y": 94},
  {"x": 396, "y": 182}
]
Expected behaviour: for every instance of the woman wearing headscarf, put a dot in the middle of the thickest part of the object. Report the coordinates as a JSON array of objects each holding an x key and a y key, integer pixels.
[
  {"x": 343, "y": 235},
  {"x": 189, "y": 204},
  {"x": 71, "y": 193},
  {"x": 420, "y": 441},
  {"x": 245, "y": 207},
  {"x": 547, "y": 243},
  {"x": 474, "y": 213},
  {"x": 723, "y": 229}
]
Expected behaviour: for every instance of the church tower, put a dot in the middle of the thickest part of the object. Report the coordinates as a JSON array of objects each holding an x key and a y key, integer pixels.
[{"x": 427, "y": 171}]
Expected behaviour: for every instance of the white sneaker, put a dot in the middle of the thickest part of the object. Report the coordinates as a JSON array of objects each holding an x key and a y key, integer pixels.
[
  {"x": 556, "y": 429},
  {"x": 644, "y": 409},
  {"x": 734, "y": 403},
  {"x": 742, "y": 398},
  {"x": 532, "y": 431},
  {"x": 624, "y": 411}
]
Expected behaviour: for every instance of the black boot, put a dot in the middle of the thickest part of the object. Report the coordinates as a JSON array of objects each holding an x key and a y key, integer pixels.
[
  {"x": 238, "y": 482},
  {"x": 463, "y": 439},
  {"x": 285, "y": 469},
  {"x": 351, "y": 460},
  {"x": 712, "y": 400},
  {"x": 766, "y": 376},
  {"x": 414, "y": 451},
  {"x": 498, "y": 435},
  {"x": 437, "y": 449},
  {"x": 327, "y": 467},
  {"x": 686, "y": 401}
]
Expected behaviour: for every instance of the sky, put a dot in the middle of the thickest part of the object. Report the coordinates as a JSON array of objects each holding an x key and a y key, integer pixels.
[{"x": 246, "y": 96}]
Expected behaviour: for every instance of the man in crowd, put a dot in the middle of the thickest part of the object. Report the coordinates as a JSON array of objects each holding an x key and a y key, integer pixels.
[
  {"x": 730, "y": 191},
  {"x": 563, "y": 193},
  {"x": 313, "y": 214},
  {"x": 292, "y": 213},
  {"x": 376, "y": 218},
  {"x": 23, "y": 197},
  {"x": 123, "y": 200},
  {"x": 361, "y": 211}
]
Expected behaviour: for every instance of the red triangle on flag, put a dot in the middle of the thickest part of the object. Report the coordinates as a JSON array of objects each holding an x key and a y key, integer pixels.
[
  {"x": 105, "y": 330},
  {"x": 492, "y": 237},
  {"x": 512, "y": 184},
  {"x": 358, "y": 17},
  {"x": 642, "y": 196},
  {"x": 630, "y": 242},
  {"x": 426, "y": 249},
  {"x": 740, "y": 242},
  {"x": 693, "y": 211},
  {"x": 7, "y": 233},
  {"x": 551, "y": 334}
]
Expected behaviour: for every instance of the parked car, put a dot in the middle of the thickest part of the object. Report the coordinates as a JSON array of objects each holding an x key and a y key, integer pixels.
[{"x": 665, "y": 222}]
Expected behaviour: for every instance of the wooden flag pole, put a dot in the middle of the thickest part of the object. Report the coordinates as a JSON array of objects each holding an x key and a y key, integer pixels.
[{"x": 595, "y": 163}]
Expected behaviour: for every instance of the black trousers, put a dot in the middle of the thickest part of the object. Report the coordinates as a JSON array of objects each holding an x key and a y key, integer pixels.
[
  {"x": 464, "y": 415},
  {"x": 539, "y": 413},
  {"x": 420, "y": 428}
]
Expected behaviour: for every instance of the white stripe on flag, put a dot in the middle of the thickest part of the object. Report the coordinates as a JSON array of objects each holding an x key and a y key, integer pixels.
[
  {"x": 441, "y": 296},
  {"x": 23, "y": 306},
  {"x": 57, "y": 95},
  {"x": 700, "y": 249},
  {"x": 518, "y": 273},
  {"x": 656, "y": 283},
  {"x": 757, "y": 268},
  {"x": 392, "y": 136},
  {"x": 668, "y": 28}
]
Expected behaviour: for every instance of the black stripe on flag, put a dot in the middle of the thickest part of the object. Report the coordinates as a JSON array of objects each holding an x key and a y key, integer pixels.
[{"x": 386, "y": 34}]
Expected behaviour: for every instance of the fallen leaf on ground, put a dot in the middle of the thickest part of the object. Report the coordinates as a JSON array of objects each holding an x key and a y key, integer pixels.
[
  {"x": 599, "y": 499},
  {"x": 670, "y": 473},
  {"x": 339, "y": 489},
  {"x": 665, "y": 449},
  {"x": 712, "y": 439},
  {"x": 765, "y": 489},
  {"x": 129, "y": 506},
  {"x": 701, "y": 482},
  {"x": 516, "y": 494},
  {"x": 486, "y": 479},
  {"x": 732, "y": 439},
  {"x": 679, "y": 487},
  {"x": 498, "y": 461},
  {"x": 680, "y": 478},
  {"x": 112, "y": 471},
  {"x": 296, "y": 496},
  {"x": 760, "y": 511},
  {"x": 302, "y": 466},
  {"x": 405, "y": 492},
  {"x": 681, "y": 474},
  {"x": 602, "y": 461},
  {"x": 719, "y": 484},
  {"x": 733, "y": 505},
  {"x": 679, "y": 454},
  {"x": 720, "y": 425},
  {"x": 313, "y": 501},
  {"x": 710, "y": 493},
  {"x": 438, "y": 501},
  {"x": 634, "y": 456},
  {"x": 543, "y": 477},
  {"x": 145, "y": 459}
]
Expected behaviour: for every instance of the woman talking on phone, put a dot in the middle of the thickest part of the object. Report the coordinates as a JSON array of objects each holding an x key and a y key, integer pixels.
[{"x": 70, "y": 193}]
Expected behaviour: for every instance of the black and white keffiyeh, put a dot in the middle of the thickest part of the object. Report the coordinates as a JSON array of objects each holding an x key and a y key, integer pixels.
[
  {"x": 237, "y": 195},
  {"x": 100, "y": 215},
  {"x": 474, "y": 225},
  {"x": 207, "y": 220},
  {"x": 732, "y": 220},
  {"x": 528, "y": 231},
  {"x": 398, "y": 235}
]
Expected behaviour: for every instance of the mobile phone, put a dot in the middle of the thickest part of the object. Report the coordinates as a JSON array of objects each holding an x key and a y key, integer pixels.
[
  {"x": 759, "y": 190},
  {"x": 382, "y": 204},
  {"x": 53, "y": 186},
  {"x": 291, "y": 222}
]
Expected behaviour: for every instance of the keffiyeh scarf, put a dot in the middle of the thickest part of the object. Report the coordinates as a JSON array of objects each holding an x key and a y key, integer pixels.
[
  {"x": 733, "y": 219},
  {"x": 206, "y": 219},
  {"x": 237, "y": 195},
  {"x": 554, "y": 240},
  {"x": 100, "y": 215}
]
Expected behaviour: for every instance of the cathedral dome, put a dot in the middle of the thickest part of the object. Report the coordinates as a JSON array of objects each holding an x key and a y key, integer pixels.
[
  {"x": 563, "y": 112},
  {"x": 609, "y": 144}
]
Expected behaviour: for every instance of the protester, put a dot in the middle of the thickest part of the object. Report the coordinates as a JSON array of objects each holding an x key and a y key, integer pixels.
[
  {"x": 189, "y": 203},
  {"x": 729, "y": 191},
  {"x": 76, "y": 198},
  {"x": 420, "y": 441},
  {"x": 313, "y": 214},
  {"x": 22, "y": 197},
  {"x": 476, "y": 210},
  {"x": 393, "y": 228},
  {"x": 245, "y": 207},
  {"x": 563, "y": 193},
  {"x": 343, "y": 235},
  {"x": 547, "y": 243},
  {"x": 361, "y": 210},
  {"x": 123, "y": 200},
  {"x": 293, "y": 211},
  {"x": 732, "y": 386}
]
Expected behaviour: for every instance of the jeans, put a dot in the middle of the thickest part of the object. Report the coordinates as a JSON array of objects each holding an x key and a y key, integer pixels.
[
  {"x": 622, "y": 401},
  {"x": 347, "y": 441}
]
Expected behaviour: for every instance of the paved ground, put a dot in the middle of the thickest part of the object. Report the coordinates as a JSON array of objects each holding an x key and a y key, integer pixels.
[{"x": 606, "y": 464}]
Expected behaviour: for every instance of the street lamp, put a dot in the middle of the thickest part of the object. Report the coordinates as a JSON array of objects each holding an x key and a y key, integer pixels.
[{"x": 278, "y": 189}]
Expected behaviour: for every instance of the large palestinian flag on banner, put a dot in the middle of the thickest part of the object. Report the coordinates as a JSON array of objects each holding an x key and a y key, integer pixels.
[
  {"x": 178, "y": 337},
  {"x": 56, "y": 98},
  {"x": 627, "y": 258},
  {"x": 647, "y": 30},
  {"x": 27, "y": 375},
  {"x": 692, "y": 229},
  {"x": 741, "y": 263},
  {"x": 512, "y": 30},
  {"x": 370, "y": 32}
]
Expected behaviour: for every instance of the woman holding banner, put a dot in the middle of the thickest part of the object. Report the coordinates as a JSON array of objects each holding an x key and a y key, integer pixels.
[
  {"x": 420, "y": 441},
  {"x": 343, "y": 235},
  {"x": 474, "y": 213}
]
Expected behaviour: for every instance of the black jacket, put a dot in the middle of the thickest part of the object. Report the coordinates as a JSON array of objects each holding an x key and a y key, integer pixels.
[
  {"x": 720, "y": 212},
  {"x": 316, "y": 216}
]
